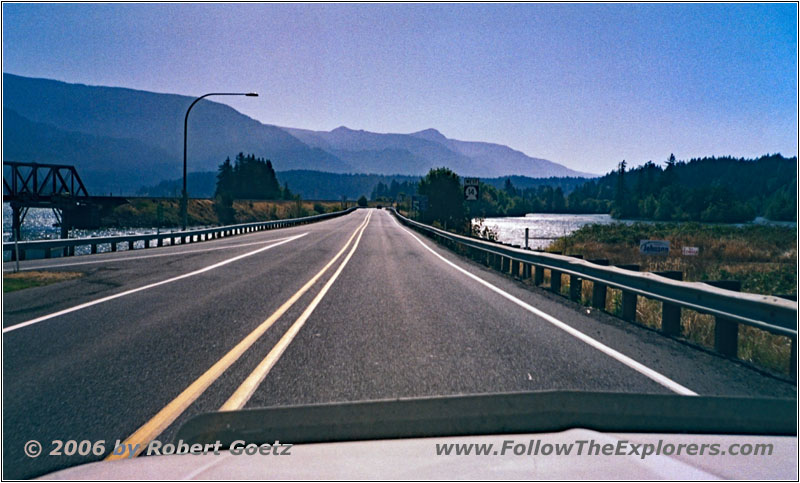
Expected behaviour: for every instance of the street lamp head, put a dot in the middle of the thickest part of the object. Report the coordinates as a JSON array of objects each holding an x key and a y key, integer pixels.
[{"x": 252, "y": 94}]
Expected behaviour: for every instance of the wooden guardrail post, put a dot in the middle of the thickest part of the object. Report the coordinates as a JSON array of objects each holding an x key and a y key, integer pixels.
[
  {"x": 526, "y": 270},
  {"x": 515, "y": 268},
  {"x": 629, "y": 298},
  {"x": 793, "y": 347},
  {"x": 575, "y": 284},
  {"x": 555, "y": 281},
  {"x": 671, "y": 313},
  {"x": 538, "y": 275},
  {"x": 93, "y": 248},
  {"x": 113, "y": 246},
  {"x": 599, "y": 289},
  {"x": 726, "y": 331}
]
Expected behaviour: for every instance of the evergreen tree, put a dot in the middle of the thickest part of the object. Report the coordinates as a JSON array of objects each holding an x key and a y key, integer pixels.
[
  {"x": 247, "y": 177},
  {"x": 445, "y": 199}
]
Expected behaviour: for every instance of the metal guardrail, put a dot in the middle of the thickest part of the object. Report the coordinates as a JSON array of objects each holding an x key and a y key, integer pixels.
[
  {"x": 174, "y": 238},
  {"x": 766, "y": 312}
]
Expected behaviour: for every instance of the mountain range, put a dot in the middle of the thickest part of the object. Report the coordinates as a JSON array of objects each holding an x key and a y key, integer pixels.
[{"x": 121, "y": 139}]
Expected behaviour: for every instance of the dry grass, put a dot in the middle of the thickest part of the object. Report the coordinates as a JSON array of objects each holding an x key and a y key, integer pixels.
[
  {"x": 145, "y": 212},
  {"x": 34, "y": 278},
  {"x": 697, "y": 327},
  {"x": 648, "y": 312},
  {"x": 252, "y": 211},
  {"x": 762, "y": 258},
  {"x": 765, "y": 349}
]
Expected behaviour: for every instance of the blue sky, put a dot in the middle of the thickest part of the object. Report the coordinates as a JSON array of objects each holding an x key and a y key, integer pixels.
[{"x": 585, "y": 85}]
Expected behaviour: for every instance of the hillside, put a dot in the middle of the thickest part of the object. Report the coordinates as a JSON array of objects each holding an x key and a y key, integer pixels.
[
  {"x": 107, "y": 165},
  {"x": 216, "y": 131},
  {"x": 418, "y": 152},
  {"x": 144, "y": 130}
]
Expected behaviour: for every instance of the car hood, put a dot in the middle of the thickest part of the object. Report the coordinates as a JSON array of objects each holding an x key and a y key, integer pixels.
[{"x": 416, "y": 458}]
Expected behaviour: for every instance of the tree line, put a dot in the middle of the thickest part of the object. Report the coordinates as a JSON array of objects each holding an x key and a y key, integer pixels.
[{"x": 707, "y": 189}]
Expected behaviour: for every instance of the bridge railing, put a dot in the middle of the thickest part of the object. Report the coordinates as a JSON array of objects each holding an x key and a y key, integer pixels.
[
  {"x": 67, "y": 245},
  {"x": 730, "y": 308}
]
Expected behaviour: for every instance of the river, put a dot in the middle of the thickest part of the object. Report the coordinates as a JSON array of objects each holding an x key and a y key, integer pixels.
[
  {"x": 543, "y": 227},
  {"x": 546, "y": 227},
  {"x": 39, "y": 224}
]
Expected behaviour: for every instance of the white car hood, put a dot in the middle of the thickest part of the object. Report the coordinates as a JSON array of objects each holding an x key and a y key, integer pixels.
[{"x": 416, "y": 458}]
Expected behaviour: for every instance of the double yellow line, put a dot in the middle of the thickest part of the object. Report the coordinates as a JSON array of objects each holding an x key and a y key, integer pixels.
[{"x": 158, "y": 423}]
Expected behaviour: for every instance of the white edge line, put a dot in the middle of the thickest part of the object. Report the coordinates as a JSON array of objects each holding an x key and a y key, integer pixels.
[
  {"x": 636, "y": 366},
  {"x": 142, "y": 257},
  {"x": 145, "y": 287}
]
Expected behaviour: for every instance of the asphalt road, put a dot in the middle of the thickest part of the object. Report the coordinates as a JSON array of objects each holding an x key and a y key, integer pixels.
[{"x": 353, "y": 308}]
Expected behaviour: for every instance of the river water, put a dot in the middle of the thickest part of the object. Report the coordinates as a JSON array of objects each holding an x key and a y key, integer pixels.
[
  {"x": 543, "y": 228},
  {"x": 39, "y": 224},
  {"x": 546, "y": 227}
]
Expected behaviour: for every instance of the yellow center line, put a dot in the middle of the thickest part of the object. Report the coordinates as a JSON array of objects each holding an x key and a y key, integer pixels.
[
  {"x": 249, "y": 386},
  {"x": 158, "y": 423}
]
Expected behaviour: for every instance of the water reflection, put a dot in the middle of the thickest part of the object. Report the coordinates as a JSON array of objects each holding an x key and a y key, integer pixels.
[{"x": 543, "y": 227}]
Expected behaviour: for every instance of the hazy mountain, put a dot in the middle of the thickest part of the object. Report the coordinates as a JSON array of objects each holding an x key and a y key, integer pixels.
[
  {"x": 418, "y": 152},
  {"x": 370, "y": 152},
  {"x": 216, "y": 131},
  {"x": 122, "y": 139},
  {"x": 499, "y": 160},
  {"x": 105, "y": 164}
]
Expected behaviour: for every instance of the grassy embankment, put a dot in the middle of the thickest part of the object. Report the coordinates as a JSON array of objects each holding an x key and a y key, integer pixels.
[
  {"x": 762, "y": 258},
  {"x": 145, "y": 212},
  {"x": 32, "y": 278}
]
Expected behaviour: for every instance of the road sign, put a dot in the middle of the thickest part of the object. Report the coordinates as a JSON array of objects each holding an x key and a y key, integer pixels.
[
  {"x": 471, "y": 189},
  {"x": 471, "y": 193},
  {"x": 691, "y": 251},
  {"x": 654, "y": 247}
]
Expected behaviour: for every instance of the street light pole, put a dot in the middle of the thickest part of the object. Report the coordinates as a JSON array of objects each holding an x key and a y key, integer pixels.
[{"x": 185, "y": 196}]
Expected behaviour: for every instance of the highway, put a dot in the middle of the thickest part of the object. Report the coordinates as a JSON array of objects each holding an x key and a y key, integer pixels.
[{"x": 353, "y": 308}]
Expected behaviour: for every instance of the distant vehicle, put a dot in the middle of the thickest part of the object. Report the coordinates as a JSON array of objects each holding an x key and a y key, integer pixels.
[{"x": 380, "y": 207}]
